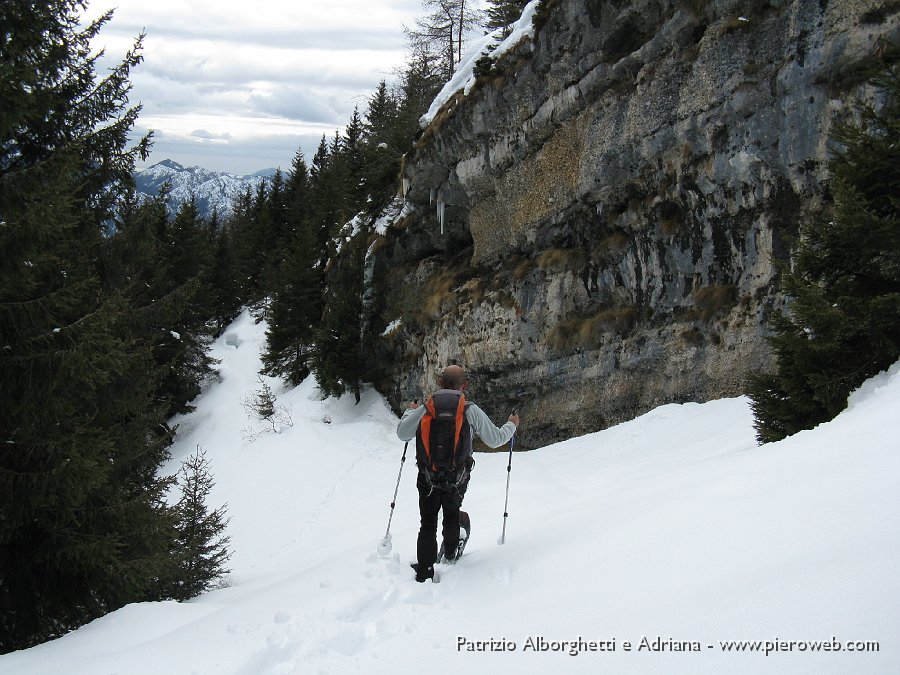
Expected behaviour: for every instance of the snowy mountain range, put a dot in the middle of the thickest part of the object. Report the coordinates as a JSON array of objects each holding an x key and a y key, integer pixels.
[
  {"x": 668, "y": 544},
  {"x": 213, "y": 190}
]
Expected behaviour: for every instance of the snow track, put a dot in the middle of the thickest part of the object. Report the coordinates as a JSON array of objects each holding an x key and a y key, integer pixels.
[{"x": 674, "y": 527}]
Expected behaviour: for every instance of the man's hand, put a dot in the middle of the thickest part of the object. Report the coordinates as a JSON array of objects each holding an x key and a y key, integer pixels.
[
  {"x": 413, "y": 404},
  {"x": 514, "y": 419}
]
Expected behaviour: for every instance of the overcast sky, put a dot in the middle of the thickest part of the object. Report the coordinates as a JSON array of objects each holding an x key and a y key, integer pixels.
[{"x": 240, "y": 86}]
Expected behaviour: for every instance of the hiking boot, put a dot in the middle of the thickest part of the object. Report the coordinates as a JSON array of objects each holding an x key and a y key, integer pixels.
[{"x": 423, "y": 573}]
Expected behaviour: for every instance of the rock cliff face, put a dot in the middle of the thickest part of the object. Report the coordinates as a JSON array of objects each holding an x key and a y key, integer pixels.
[{"x": 614, "y": 196}]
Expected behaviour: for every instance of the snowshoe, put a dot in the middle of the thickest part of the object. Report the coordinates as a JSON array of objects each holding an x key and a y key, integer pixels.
[{"x": 465, "y": 527}]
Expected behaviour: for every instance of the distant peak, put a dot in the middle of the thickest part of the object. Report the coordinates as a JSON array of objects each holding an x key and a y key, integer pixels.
[{"x": 171, "y": 164}]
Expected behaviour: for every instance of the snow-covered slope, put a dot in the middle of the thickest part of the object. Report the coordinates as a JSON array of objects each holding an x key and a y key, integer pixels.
[
  {"x": 212, "y": 190},
  {"x": 674, "y": 527},
  {"x": 493, "y": 45}
]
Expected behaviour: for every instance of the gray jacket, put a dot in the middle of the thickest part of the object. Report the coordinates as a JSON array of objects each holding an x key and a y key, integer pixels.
[{"x": 492, "y": 435}]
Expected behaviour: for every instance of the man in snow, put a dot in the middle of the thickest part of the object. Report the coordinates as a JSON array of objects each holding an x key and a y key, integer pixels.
[{"x": 436, "y": 495}]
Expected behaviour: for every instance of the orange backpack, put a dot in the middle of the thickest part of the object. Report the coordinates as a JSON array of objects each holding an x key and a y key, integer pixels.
[{"x": 444, "y": 440}]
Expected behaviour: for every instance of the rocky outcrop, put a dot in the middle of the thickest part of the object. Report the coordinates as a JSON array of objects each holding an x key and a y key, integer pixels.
[{"x": 614, "y": 196}]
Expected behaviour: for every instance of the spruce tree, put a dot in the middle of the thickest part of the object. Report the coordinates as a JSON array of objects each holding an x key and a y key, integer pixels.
[
  {"x": 295, "y": 312},
  {"x": 201, "y": 548},
  {"x": 420, "y": 83},
  {"x": 164, "y": 268},
  {"x": 385, "y": 142},
  {"x": 296, "y": 305},
  {"x": 83, "y": 527},
  {"x": 842, "y": 323},
  {"x": 178, "y": 318},
  {"x": 222, "y": 280},
  {"x": 247, "y": 260},
  {"x": 503, "y": 13},
  {"x": 274, "y": 233},
  {"x": 324, "y": 194},
  {"x": 338, "y": 355},
  {"x": 297, "y": 191},
  {"x": 358, "y": 183}
]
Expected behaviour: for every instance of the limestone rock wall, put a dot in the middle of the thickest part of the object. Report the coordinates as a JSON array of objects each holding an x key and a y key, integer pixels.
[{"x": 615, "y": 197}]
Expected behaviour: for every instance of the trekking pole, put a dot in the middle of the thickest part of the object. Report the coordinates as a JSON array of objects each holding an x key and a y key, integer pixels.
[
  {"x": 384, "y": 546},
  {"x": 506, "y": 503}
]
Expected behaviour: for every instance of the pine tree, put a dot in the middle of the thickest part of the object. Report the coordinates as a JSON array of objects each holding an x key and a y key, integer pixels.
[
  {"x": 322, "y": 212},
  {"x": 420, "y": 82},
  {"x": 178, "y": 320},
  {"x": 385, "y": 142},
  {"x": 296, "y": 305},
  {"x": 201, "y": 547},
  {"x": 274, "y": 232},
  {"x": 338, "y": 355},
  {"x": 357, "y": 183},
  {"x": 842, "y": 324},
  {"x": 222, "y": 280},
  {"x": 503, "y": 13},
  {"x": 84, "y": 528},
  {"x": 165, "y": 270},
  {"x": 246, "y": 263},
  {"x": 297, "y": 192}
]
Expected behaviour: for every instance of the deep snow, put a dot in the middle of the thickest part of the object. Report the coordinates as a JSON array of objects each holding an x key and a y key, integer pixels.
[{"x": 674, "y": 525}]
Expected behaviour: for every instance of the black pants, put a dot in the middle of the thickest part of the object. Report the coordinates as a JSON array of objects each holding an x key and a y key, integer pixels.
[{"x": 430, "y": 503}]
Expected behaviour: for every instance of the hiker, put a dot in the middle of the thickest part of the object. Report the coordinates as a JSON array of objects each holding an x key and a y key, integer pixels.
[{"x": 444, "y": 486}]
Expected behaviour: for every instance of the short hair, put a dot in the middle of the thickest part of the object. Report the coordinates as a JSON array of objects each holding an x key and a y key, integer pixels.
[{"x": 453, "y": 377}]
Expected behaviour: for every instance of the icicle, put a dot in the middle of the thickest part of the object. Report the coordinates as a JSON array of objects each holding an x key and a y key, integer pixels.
[
  {"x": 406, "y": 186},
  {"x": 440, "y": 212},
  {"x": 431, "y": 196}
]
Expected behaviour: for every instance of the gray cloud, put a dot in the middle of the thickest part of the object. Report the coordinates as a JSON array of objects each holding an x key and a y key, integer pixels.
[
  {"x": 208, "y": 135},
  {"x": 239, "y": 157},
  {"x": 295, "y": 103},
  {"x": 240, "y": 87}
]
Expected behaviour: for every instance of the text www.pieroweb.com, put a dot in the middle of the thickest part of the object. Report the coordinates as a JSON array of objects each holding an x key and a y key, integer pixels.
[{"x": 581, "y": 645}]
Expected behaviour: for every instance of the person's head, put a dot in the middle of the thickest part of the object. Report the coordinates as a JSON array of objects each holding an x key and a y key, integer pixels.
[{"x": 453, "y": 377}]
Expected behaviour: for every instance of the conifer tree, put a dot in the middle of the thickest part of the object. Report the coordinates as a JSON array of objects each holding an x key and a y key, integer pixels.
[
  {"x": 322, "y": 214},
  {"x": 420, "y": 82},
  {"x": 342, "y": 186},
  {"x": 295, "y": 311},
  {"x": 842, "y": 323},
  {"x": 246, "y": 256},
  {"x": 354, "y": 150},
  {"x": 182, "y": 308},
  {"x": 503, "y": 13},
  {"x": 385, "y": 142},
  {"x": 201, "y": 551},
  {"x": 297, "y": 190},
  {"x": 338, "y": 355},
  {"x": 274, "y": 232},
  {"x": 251, "y": 230},
  {"x": 222, "y": 280},
  {"x": 297, "y": 302},
  {"x": 164, "y": 269},
  {"x": 83, "y": 527},
  {"x": 443, "y": 30}
]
